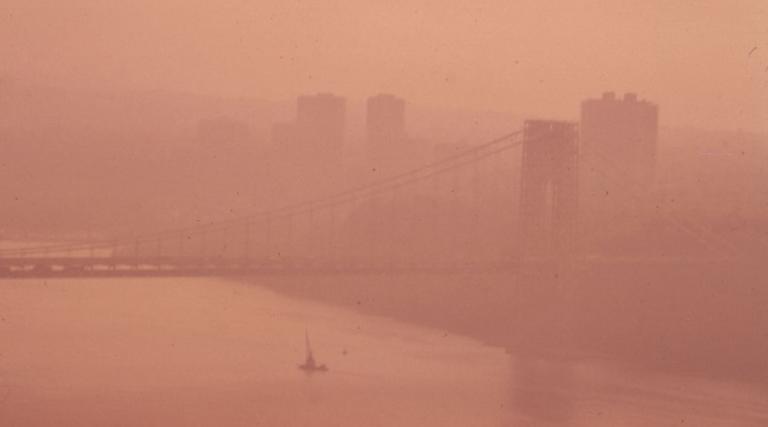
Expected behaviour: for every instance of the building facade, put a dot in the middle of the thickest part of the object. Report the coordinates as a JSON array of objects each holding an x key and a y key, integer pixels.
[
  {"x": 385, "y": 131},
  {"x": 385, "y": 120},
  {"x": 320, "y": 124},
  {"x": 619, "y": 139}
]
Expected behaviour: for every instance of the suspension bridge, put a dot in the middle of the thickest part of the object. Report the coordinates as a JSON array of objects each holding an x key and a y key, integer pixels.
[{"x": 463, "y": 199}]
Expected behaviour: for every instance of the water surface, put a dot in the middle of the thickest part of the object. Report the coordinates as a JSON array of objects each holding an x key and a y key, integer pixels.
[{"x": 209, "y": 352}]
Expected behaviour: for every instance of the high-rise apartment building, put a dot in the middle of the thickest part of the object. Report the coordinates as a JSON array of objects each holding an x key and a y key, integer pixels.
[
  {"x": 320, "y": 123},
  {"x": 618, "y": 153},
  {"x": 385, "y": 120}
]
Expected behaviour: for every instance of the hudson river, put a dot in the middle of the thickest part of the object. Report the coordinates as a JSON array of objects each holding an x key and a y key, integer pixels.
[{"x": 210, "y": 352}]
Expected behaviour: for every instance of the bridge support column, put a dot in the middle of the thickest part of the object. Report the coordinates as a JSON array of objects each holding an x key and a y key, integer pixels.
[{"x": 549, "y": 189}]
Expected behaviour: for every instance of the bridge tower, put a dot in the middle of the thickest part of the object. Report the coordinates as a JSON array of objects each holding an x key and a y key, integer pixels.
[{"x": 549, "y": 188}]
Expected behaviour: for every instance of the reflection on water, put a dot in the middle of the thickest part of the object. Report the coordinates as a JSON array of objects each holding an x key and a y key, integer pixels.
[
  {"x": 211, "y": 352},
  {"x": 542, "y": 390},
  {"x": 556, "y": 393}
]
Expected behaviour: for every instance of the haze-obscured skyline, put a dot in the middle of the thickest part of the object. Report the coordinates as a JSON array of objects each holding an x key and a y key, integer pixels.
[
  {"x": 413, "y": 213},
  {"x": 705, "y": 63}
]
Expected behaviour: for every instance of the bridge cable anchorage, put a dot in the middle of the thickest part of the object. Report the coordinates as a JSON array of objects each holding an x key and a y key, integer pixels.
[{"x": 367, "y": 190}]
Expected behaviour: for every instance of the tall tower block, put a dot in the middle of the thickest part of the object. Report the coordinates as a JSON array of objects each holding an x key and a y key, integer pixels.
[
  {"x": 385, "y": 119},
  {"x": 385, "y": 129},
  {"x": 619, "y": 140},
  {"x": 320, "y": 124}
]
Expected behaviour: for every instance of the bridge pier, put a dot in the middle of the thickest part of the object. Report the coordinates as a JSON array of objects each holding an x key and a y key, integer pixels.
[{"x": 549, "y": 188}]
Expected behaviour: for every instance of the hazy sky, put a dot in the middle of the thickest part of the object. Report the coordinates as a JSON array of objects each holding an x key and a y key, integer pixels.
[{"x": 528, "y": 56}]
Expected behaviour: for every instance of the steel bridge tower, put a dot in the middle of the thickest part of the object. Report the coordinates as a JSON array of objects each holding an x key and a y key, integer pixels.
[{"x": 549, "y": 195}]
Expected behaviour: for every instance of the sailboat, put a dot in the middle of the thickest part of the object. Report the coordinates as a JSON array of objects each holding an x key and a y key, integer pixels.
[{"x": 309, "y": 364}]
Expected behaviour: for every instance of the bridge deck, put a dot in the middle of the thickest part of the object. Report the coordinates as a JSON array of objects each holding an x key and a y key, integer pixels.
[{"x": 48, "y": 267}]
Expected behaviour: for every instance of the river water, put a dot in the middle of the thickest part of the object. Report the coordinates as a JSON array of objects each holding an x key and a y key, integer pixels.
[{"x": 210, "y": 352}]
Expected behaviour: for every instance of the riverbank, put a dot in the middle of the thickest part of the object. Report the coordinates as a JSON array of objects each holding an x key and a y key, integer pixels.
[{"x": 700, "y": 319}]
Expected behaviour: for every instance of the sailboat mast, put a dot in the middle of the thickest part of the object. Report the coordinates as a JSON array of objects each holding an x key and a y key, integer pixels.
[{"x": 307, "y": 344}]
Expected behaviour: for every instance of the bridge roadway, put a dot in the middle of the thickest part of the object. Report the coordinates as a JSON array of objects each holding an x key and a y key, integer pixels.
[
  {"x": 170, "y": 266},
  {"x": 167, "y": 266}
]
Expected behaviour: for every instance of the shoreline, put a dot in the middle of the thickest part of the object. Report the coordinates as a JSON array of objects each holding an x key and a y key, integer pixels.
[{"x": 715, "y": 330}]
